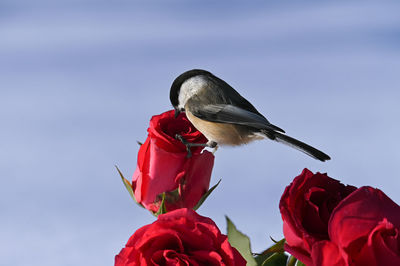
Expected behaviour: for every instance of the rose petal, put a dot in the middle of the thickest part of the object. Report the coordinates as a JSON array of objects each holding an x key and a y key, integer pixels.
[
  {"x": 359, "y": 213},
  {"x": 362, "y": 224},
  {"x": 164, "y": 128},
  {"x": 381, "y": 248},
  {"x": 299, "y": 254},
  {"x": 326, "y": 253}
]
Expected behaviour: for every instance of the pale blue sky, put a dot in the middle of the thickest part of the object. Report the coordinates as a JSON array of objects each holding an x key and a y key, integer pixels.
[{"x": 79, "y": 81}]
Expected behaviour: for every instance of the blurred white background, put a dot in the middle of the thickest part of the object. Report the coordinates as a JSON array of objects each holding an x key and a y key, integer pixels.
[{"x": 79, "y": 81}]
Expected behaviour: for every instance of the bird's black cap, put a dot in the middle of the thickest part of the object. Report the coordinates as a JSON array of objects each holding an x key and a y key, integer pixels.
[{"x": 176, "y": 85}]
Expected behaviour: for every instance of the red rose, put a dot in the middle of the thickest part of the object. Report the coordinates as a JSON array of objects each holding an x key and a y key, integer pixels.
[
  {"x": 365, "y": 226},
  {"x": 180, "y": 237},
  {"x": 306, "y": 206},
  {"x": 163, "y": 165}
]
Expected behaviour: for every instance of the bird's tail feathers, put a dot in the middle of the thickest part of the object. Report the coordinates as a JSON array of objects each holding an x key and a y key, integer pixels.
[{"x": 297, "y": 144}]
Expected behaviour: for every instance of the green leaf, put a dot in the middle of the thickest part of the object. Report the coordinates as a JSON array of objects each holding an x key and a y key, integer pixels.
[
  {"x": 273, "y": 240},
  {"x": 292, "y": 261},
  {"x": 277, "y": 247},
  {"x": 128, "y": 186},
  {"x": 260, "y": 258},
  {"x": 161, "y": 209},
  {"x": 299, "y": 263},
  {"x": 205, "y": 196},
  {"x": 241, "y": 242},
  {"x": 277, "y": 259}
]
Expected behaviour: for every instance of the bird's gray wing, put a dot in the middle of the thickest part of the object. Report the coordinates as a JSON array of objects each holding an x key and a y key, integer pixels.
[{"x": 227, "y": 113}]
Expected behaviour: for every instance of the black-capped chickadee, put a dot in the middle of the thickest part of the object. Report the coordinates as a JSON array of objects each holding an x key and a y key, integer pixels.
[{"x": 223, "y": 115}]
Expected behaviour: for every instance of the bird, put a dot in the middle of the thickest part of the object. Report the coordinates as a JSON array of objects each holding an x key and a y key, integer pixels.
[{"x": 223, "y": 116}]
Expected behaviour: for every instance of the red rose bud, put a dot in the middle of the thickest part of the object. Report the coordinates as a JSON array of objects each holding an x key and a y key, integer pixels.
[
  {"x": 180, "y": 237},
  {"x": 365, "y": 226},
  {"x": 163, "y": 165},
  {"x": 306, "y": 206}
]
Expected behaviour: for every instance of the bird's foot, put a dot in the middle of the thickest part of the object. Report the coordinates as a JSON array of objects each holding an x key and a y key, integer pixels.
[
  {"x": 189, "y": 144},
  {"x": 213, "y": 145}
]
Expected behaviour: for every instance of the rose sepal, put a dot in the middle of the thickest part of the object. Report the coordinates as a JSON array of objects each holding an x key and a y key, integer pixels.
[
  {"x": 162, "y": 209},
  {"x": 128, "y": 187},
  {"x": 205, "y": 196},
  {"x": 174, "y": 195}
]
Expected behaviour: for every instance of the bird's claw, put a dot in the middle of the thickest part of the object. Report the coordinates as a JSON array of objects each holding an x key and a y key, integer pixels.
[
  {"x": 211, "y": 144},
  {"x": 187, "y": 144}
]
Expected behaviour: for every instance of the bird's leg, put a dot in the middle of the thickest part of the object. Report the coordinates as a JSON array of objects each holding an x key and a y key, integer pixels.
[{"x": 188, "y": 145}]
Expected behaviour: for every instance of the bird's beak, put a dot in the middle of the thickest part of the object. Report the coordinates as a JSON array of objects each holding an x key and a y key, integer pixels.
[{"x": 177, "y": 112}]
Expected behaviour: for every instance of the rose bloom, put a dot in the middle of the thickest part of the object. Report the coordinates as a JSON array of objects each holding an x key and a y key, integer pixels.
[
  {"x": 163, "y": 166},
  {"x": 326, "y": 223},
  {"x": 180, "y": 237},
  {"x": 306, "y": 207},
  {"x": 365, "y": 227}
]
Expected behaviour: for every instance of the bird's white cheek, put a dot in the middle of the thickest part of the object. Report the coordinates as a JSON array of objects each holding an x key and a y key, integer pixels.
[{"x": 190, "y": 88}]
